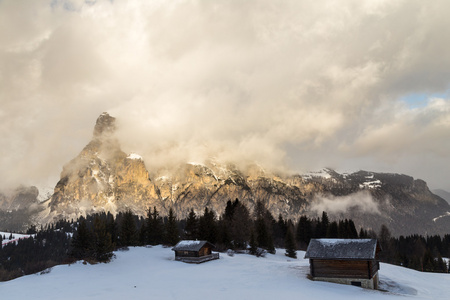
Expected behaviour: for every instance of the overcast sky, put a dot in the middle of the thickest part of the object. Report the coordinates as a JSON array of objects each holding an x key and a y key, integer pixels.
[{"x": 294, "y": 85}]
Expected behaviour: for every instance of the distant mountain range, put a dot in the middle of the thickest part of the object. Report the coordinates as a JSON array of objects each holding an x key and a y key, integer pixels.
[
  {"x": 443, "y": 194},
  {"x": 104, "y": 178}
]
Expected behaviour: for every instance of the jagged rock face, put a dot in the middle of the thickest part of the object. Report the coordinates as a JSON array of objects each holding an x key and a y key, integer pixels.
[
  {"x": 104, "y": 178},
  {"x": 105, "y": 126},
  {"x": 198, "y": 186}
]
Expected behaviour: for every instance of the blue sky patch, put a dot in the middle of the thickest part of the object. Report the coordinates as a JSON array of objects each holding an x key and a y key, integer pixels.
[{"x": 418, "y": 100}]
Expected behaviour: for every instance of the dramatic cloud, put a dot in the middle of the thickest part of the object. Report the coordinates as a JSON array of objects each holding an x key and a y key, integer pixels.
[{"x": 294, "y": 85}]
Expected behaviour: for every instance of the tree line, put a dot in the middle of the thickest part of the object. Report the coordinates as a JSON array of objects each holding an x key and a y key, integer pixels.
[
  {"x": 95, "y": 237},
  {"x": 45, "y": 249}
]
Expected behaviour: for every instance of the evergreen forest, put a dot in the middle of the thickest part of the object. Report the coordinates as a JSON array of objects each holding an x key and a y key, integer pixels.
[{"x": 93, "y": 239}]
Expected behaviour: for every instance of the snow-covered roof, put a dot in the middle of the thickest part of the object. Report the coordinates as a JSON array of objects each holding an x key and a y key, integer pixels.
[
  {"x": 189, "y": 245},
  {"x": 358, "y": 249}
]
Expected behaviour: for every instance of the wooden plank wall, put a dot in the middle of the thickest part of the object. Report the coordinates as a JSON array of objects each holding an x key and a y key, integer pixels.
[
  {"x": 341, "y": 269},
  {"x": 374, "y": 267},
  {"x": 205, "y": 251},
  {"x": 186, "y": 253}
]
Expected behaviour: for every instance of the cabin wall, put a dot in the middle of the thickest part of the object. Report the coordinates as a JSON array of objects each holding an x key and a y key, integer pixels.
[
  {"x": 374, "y": 267},
  {"x": 186, "y": 254},
  {"x": 342, "y": 268},
  {"x": 359, "y": 273},
  {"x": 205, "y": 251}
]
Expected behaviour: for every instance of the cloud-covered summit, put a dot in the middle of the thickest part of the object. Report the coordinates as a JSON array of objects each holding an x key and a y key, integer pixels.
[{"x": 291, "y": 84}]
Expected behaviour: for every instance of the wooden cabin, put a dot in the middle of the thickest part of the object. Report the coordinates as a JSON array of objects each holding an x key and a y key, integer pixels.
[
  {"x": 194, "y": 251},
  {"x": 346, "y": 261}
]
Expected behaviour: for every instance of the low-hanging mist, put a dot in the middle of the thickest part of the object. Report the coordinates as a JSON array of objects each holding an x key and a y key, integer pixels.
[{"x": 361, "y": 201}]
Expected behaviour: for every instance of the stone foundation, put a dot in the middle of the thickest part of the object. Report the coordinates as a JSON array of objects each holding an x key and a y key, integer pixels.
[{"x": 364, "y": 283}]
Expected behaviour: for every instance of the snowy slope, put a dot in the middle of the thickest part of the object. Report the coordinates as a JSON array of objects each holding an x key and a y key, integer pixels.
[
  {"x": 15, "y": 237},
  {"x": 152, "y": 273}
]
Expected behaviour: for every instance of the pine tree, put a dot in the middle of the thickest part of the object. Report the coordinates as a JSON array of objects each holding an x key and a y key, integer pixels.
[
  {"x": 240, "y": 227},
  {"x": 32, "y": 229},
  {"x": 103, "y": 245},
  {"x": 82, "y": 247},
  {"x": 253, "y": 245},
  {"x": 332, "y": 231},
  {"x": 263, "y": 226},
  {"x": 289, "y": 243},
  {"x": 325, "y": 222},
  {"x": 441, "y": 266},
  {"x": 304, "y": 232},
  {"x": 342, "y": 230},
  {"x": 264, "y": 239},
  {"x": 229, "y": 210},
  {"x": 111, "y": 228},
  {"x": 428, "y": 262},
  {"x": 154, "y": 227},
  {"x": 224, "y": 227},
  {"x": 207, "y": 226},
  {"x": 223, "y": 240},
  {"x": 142, "y": 235},
  {"x": 280, "y": 230},
  {"x": 172, "y": 234},
  {"x": 384, "y": 237},
  {"x": 363, "y": 233},
  {"x": 128, "y": 233},
  {"x": 353, "y": 233},
  {"x": 191, "y": 228}
]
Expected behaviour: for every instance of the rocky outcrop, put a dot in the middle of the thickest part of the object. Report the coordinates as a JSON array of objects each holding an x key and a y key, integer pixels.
[{"x": 102, "y": 178}]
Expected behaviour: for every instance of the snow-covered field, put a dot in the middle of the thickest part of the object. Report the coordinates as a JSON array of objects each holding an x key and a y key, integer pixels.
[
  {"x": 152, "y": 273},
  {"x": 15, "y": 237}
]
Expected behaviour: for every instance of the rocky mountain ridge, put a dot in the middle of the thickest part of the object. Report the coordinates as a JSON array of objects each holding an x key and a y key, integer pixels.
[{"x": 104, "y": 178}]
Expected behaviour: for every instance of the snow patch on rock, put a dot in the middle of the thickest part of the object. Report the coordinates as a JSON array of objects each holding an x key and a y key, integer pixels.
[
  {"x": 134, "y": 156},
  {"x": 442, "y": 216}
]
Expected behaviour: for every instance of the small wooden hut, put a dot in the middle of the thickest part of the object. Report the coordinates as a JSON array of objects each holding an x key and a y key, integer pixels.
[
  {"x": 346, "y": 261},
  {"x": 194, "y": 251}
]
